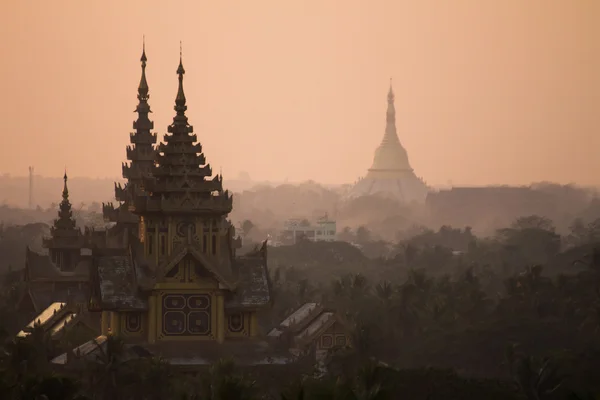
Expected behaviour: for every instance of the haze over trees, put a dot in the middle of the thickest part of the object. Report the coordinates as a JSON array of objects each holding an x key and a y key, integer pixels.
[
  {"x": 437, "y": 310},
  {"x": 444, "y": 314}
]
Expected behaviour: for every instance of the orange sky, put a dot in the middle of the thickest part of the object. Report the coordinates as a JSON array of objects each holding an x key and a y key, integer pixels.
[{"x": 487, "y": 91}]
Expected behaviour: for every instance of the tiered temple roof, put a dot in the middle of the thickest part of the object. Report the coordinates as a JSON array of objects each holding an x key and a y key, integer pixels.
[
  {"x": 64, "y": 233},
  {"x": 58, "y": 318},
  {"x": 141, "y": 154},
  {"x": 179, "y": 182}
]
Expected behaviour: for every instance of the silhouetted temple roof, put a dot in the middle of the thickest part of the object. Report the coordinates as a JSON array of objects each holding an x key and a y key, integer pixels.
[
  {"x": 39, "y": 267},
  {"x": 253, "y": 288},
  {"x": 120, "y": 279}
]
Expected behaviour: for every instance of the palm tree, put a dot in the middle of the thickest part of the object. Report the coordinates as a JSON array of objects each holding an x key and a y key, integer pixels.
[
  {"x": 155, "y": 379},
  {"x": 111, "y": 371},
  {"x": 370, "y": 382},
  {"x": 49, "y": 388},
  {"x": 222, "y": 382},
  {"x": 537, "y": 379},
  {"x": 297, "y": 391}
]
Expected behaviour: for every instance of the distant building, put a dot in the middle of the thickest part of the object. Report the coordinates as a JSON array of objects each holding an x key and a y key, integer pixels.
[
  {"x": 391, "y": 174},
  {"x": 323, "y": 229},
  {"x": 312, "y": 327}
]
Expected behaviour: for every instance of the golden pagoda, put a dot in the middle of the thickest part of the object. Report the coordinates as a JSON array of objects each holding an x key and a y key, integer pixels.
[{"x": 391, "y": 174}]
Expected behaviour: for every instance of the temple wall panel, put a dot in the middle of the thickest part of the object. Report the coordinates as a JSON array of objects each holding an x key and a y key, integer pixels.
[
  {"x": 335, "y": 336},
  {"x": 133, "y": 324},
  {"x": 238, "y": 324},
  {"x": 187, "y": 315}
]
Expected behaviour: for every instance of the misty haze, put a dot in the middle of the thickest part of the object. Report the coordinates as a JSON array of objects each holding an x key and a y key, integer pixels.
[{"x": 300, "y": 200}]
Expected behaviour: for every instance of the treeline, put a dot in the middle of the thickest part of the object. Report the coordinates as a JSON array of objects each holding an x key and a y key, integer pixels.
[{"x": 445, "y": 315}]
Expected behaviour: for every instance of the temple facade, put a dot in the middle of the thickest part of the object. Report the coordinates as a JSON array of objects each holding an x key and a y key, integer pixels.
[{"x": 391, "y": 174}]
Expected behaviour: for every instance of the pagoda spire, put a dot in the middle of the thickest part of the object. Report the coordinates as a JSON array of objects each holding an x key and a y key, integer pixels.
[
  {"x": 140, "y": 153},
  {"x": 180, "y": 100},
  {"x": 65, "y": 219},
  {"x": 182, "y": 180},
  {"x": 143, "y": 87},
  {"x": 390, "y": 135},
  {"x": 143, "y": 108},
  {"x": 391, "y": 155},
  {"x": 65, "y": 193}
]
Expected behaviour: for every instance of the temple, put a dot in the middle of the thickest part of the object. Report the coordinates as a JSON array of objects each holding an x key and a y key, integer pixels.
[
  {"x": 178, "y": 285},
  {"x": 391, "y": 174},
  {"x": 61, "y": 272}
]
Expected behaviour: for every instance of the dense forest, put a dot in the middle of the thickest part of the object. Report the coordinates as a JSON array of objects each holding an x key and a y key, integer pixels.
[{"x": 443, "y": 314}]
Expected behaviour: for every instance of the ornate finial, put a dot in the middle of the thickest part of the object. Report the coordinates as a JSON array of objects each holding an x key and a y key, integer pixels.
[
  {"x": 180, "y": 99},
  {"x": 180, "y": 70},
  {"x": 143, "y": 59},
  {"x": 143, "y": 87},
  {"x": 65, "y": 193},
  {"x": 390, "y": 129}
]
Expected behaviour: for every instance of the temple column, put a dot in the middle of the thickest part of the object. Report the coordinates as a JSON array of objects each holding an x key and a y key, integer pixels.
[
  {"x": 152, "y": 311},
  {"x": 115, "y": 323},
  {"x": 104, "y": 323},
  {"x": 253, "y": 324},
  {"x": 170, "y": 234},
  {"x": 221, "y": 323}
]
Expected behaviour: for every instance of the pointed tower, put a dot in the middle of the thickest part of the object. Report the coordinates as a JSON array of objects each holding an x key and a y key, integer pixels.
[
  {"x": 66, "y": 240},
  {"x": 183, "y": 194},
  {"x": 141, "y": 154},
  {"x": 391, "y": 174}
]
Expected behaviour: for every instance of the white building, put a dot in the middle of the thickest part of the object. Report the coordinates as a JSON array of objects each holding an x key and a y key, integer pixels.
[{"x": 323, "y": 229}]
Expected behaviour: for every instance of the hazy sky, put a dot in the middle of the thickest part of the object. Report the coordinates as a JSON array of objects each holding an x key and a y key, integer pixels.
[{"x": 487, "y": 91}]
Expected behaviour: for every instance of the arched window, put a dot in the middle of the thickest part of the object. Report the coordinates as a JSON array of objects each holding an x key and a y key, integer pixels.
[{"x": 214, "y": 244}]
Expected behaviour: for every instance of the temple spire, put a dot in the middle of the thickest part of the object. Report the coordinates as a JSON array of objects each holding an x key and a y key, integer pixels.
[
  {"x": 182, "y": 181},
  {"x": 180, "y": 99},
  {"x": 65, "y": 219},
  {"x": 65, "y": 193},
  {"x": 143, "y": 87},
  {"x": 390, "y": 135}
]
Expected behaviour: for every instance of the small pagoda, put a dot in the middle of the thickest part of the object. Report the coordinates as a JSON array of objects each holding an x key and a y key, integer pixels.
[
  {"x": 61, "y": 274},
  {"x": 66, "y": 239}
]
